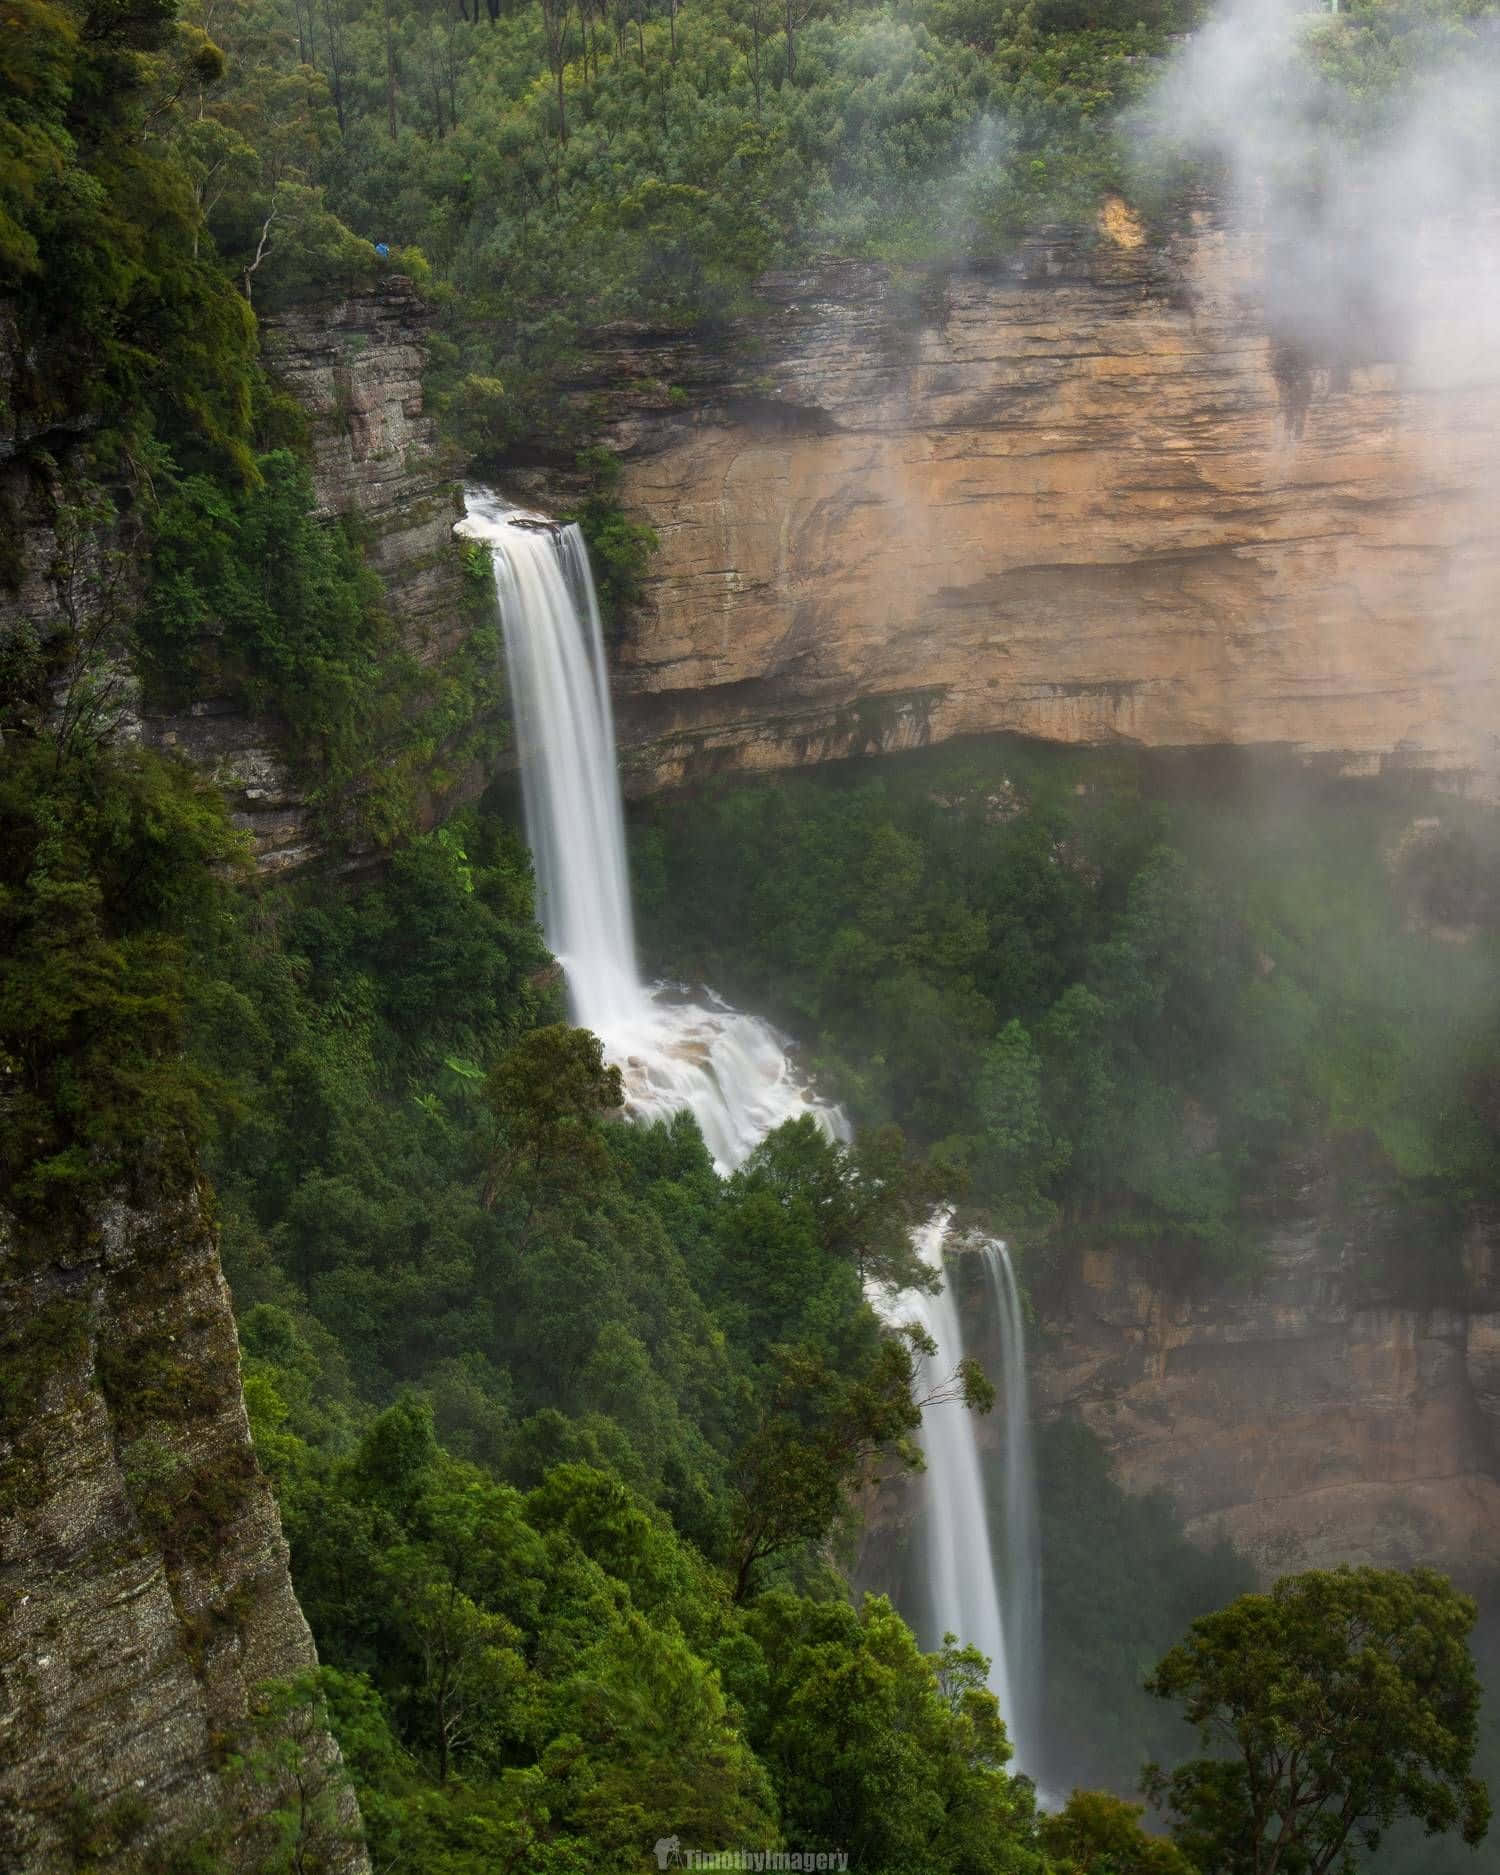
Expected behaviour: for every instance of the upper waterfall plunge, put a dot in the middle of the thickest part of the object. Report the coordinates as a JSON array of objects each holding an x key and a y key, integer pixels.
[
  {"x": 730, "y": 1069},
  {"x": 554, "y": 647}
]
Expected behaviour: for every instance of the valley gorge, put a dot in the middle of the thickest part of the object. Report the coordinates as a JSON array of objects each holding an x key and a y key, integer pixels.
[
  {"x": 749, "y": 936},
  {"x": 1087, "y": 497},
  {"x": 1079, "y": 500}
]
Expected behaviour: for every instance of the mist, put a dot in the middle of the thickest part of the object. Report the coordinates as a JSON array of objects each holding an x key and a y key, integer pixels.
[{"x": 1370, "y": 160}]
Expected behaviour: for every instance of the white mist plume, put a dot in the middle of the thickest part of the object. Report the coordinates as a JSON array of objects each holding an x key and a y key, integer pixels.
[{"x": 1379, "y": 204}]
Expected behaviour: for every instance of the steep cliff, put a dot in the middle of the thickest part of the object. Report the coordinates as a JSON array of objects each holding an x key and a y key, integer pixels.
[
  {"x": 154, "y": 1705},
  {"x": 1327, "y": 1410},
  {"x": 145, "y": 1604},
  {"x": 356, "y": 368},
  {"x": 1086, "y": 496}
]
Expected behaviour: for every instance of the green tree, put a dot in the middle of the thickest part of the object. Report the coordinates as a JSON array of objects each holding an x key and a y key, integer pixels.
[
  {"x": 819, "y": 1436},
  {"x": 547, "y": 1095},
  {"x": 106, "y": 866},
  {"x": 1019, "y": 1155},
  {"x": 1335, "y": 1704},
  {"x": 896, "y": 1757},
  {"x": 1096, "y": 1833}
]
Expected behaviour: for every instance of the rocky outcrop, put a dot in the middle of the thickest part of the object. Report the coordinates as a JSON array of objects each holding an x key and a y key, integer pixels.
[
  {"x": 1319, "y": 1413},
  {"x": 1084, "y": 496},
  {"x": 149, "y": 1637},
  {"x": 356, "y": 368}
]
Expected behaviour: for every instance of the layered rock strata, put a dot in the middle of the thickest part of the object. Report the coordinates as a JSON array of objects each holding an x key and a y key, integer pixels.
[
  {"x": 356, "y": 368},
  {"x": 1086, "y": 496},
  {"x": 1318, "y": 1414},
  {"x": 149, "y": 1638}
]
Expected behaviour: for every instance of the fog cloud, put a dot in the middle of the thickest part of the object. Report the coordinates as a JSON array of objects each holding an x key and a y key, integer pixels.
[{"x": 1370, "y": 157}]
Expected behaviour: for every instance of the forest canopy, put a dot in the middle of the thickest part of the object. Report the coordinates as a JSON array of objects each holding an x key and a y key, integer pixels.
[{"x": 568, "y": 1431}]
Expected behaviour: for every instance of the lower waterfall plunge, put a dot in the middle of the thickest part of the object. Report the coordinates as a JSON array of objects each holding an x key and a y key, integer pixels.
[
  {"x": 732, "y": 1070},
  {"x": 997, "y": 1608},
  {"x": 1022, "y": 1568}
]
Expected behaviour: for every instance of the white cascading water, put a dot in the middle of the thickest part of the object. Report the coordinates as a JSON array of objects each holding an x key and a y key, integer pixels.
[
  {"x": 730, "y": 1069},
  {"x": 1021, "y": 1573},
  {"x": 999, "y": 1609},
  {"x": 962, "y": 1588}
]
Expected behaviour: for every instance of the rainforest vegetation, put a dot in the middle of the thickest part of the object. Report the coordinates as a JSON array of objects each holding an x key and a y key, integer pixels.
[
  {"x": 566, "y": 1429},
  {"x": 1037, "y": 963}
]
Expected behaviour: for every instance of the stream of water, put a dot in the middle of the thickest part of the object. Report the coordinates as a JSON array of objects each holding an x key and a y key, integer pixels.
[
  {"x": 674, "y": 1049},
  {"x": 679, "y": 1049}
]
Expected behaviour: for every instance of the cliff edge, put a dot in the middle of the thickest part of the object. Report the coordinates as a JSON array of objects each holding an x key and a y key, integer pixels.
[
  {"x": 153, "y": 1659},
  {"x": 1086, "y": 495}
]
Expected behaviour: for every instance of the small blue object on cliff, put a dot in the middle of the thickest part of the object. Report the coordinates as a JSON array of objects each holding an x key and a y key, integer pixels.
[{"x": 382, "y": 250}]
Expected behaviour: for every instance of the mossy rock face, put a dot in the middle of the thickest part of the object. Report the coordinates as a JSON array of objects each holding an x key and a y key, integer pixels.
[
  {"x": 43, "y": 1349},
  {"x": 144, "y": 1595}
]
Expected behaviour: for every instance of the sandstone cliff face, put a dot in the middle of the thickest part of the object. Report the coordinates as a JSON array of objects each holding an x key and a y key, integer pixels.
[
  {"x": 1083, "y": 498},
  {"x": 356, "y": 367},
  {"x": 145, "y": 1601},
  {"x": 1315, "y": 1416},
  {"x": 144, "y": 1595}
]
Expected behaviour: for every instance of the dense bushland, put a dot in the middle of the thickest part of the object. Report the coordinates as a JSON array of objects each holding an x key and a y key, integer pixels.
[
  {"x": 565, "y": 1428},
  {"x": 1113, "y": 1008}
]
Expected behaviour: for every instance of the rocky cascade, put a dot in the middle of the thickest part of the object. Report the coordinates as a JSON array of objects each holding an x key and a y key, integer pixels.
[
  {"x": 1084, "y": 496},
  {"x": 150, "y": 1641}
]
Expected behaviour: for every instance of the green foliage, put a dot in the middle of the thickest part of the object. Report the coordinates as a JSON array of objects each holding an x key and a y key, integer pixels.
[
  {"x": 561, "y": 172},
  {"x": 546, "y": 1095},
  {"x": 666, "y": 1385},
  {"x": 875, "y": 1749},
  {"x": 1097, "y": 1834},
  {"x": 557, "y": 1675},
  {"x": 1112, "y": 1014},
  {"x": 1334, "y": 1705},
  {"x": 620, "y": 550},
  {"x": 256, "y": 591},
  {"x": 125, "y": 315},
  {"x": 108, "y": 865},
  {"x": 818, "y": 1440}
]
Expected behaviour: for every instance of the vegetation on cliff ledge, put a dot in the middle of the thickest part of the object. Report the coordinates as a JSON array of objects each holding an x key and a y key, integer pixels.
[{"x": 566, "y": 1428}]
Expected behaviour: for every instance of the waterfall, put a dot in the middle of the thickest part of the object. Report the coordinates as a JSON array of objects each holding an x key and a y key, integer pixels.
[
  {"x": 554, "y": 648},
  {"x": 962, "y": 1590},
  {"x": 673, "y": 1050},
  {"x": 1022, "y": 1570},
  {"x": 732, "y": 1070},
  {"x": 998, "y": 1609}
]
